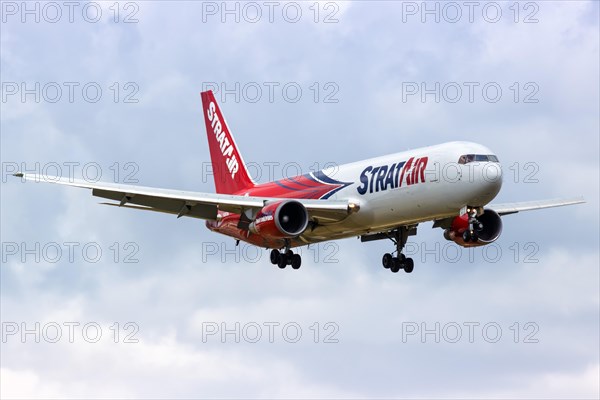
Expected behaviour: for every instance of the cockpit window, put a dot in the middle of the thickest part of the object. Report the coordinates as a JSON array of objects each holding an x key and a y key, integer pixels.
[{"x": 467, "y": 158}]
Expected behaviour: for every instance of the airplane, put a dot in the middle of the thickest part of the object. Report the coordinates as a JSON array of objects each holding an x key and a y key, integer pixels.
[{"x": 386, "y": 197}]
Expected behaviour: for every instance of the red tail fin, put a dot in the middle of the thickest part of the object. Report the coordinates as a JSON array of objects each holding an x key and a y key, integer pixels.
[{"x": 231, "y": 175}]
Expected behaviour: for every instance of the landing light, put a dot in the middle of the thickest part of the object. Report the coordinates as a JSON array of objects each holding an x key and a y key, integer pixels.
[{"x": 353, "y": 207}]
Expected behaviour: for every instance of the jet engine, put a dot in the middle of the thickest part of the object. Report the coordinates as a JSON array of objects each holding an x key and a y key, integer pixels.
[
  {"x": 486, "y": 229},
  {"x": 280, "y": 220}
]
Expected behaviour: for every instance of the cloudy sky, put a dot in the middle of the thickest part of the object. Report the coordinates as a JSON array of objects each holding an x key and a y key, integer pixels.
[{"x": 104, "y": 302}]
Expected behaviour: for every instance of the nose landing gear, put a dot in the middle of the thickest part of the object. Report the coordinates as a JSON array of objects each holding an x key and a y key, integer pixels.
[{"x": 470, "y": 235}]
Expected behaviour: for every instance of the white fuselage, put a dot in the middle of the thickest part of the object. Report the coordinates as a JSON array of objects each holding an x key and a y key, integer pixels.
[{"x": 410, "y": 187}]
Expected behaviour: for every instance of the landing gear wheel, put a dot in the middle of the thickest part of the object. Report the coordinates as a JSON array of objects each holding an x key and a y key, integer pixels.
[
  {"x": 474, "y": 237},
  {"x": 409, "y": 265},
  {"x": 387, "y": 260},
  {"x": 296, "y": 261},
  {"x": 399, "y": 237},
  {"x": 466, "y": 236},
  {"x": 396, "y": 265},
  {"x": 283, "y": 261},
  {"x": 275, "y": 255}
]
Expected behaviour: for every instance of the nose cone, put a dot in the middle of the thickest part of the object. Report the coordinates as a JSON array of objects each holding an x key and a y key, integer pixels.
[
  {"x": 492, "y": 180},
  {"x": 487, "y": 184},
  {"x": 492, "y": 176}
]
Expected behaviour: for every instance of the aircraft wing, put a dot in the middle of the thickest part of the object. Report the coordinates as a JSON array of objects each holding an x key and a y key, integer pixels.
[
  {"x": 511, "y": 208},
  {"x": 192, "y": 204}
]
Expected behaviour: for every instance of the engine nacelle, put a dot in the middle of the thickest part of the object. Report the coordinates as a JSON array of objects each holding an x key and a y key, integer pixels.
[
  {"x": 280, "y": 220},
  {"x": 491, "y": 228}
]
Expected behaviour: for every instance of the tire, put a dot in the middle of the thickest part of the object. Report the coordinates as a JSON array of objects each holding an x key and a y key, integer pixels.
[
  {"x": 466, "y": 236},
  {"x": 387, "y": 260},
  {"x": 409, "y": 265},
  {"x": 396, "y": 265},
  {"x": 275, "y": 254},
  {"x": 283, "y": 261},
  {"x": 474, "y": 238},
  {"x": 296, "y": 261}
]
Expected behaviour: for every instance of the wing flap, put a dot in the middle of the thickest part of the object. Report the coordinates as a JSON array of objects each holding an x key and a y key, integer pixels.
[{"x": 167, "y": 205}]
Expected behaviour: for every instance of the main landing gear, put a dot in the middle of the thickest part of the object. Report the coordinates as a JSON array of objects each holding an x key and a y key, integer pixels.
[
  {"x": 395, "y": 264},
  {"x": 470, "y": 235},
  {"x": 283, "y": 259}
]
